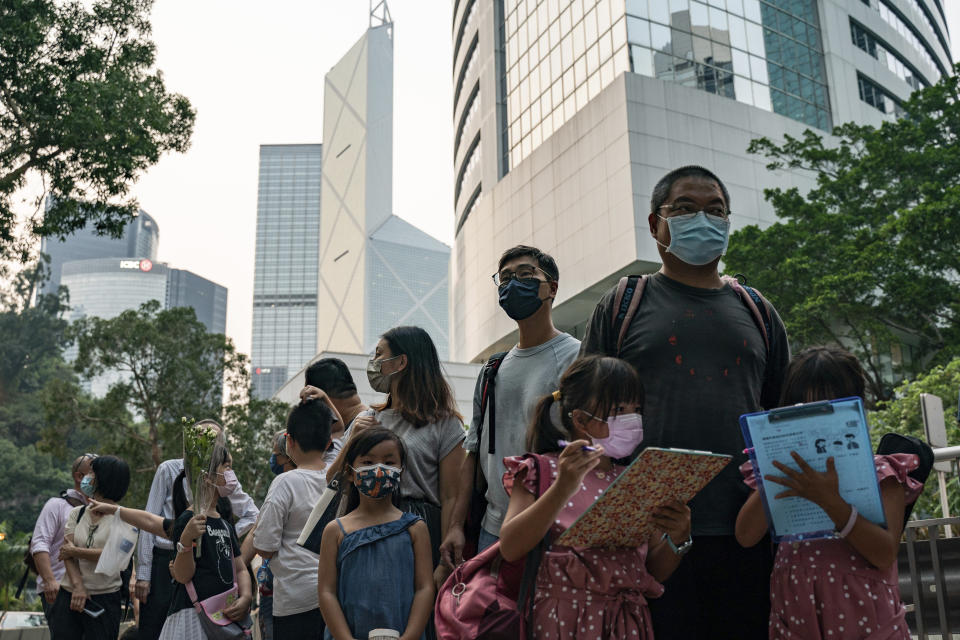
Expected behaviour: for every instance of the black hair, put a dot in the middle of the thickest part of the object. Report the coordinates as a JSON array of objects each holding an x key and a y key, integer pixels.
[
  {"x": 544, "y": 260},
  {"x": 332, "y": 376},
  {"x": 180, "y": 502},
  {"x": 822, "y": 373},
  {"x": 310, "y": 423},
  {"x": 423, "y": 394},
  {"x": 592, "y": 383},
  {"x": 662, "y": 190},
  {"x": 112, "y": 476},
  {"x": 359, "y": 445}
]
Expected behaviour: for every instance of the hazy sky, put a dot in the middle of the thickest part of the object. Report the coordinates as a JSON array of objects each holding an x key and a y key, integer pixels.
[{"x": 254, "y": 71}]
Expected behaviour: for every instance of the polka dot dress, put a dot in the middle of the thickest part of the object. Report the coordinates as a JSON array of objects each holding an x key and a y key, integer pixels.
[
  {"x": 587, "y": 594},
  {"x": 825, "y": 590}
]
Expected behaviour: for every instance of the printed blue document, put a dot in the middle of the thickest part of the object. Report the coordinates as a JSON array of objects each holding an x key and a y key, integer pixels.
[{"x": 816, "y": 431}]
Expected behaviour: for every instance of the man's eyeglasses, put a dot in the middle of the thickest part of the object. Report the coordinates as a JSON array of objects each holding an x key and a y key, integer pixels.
[
  {"x": 79, "y": 463},
  {"x": 688, "y": 208},
  {"x": 523, "y": 272}
]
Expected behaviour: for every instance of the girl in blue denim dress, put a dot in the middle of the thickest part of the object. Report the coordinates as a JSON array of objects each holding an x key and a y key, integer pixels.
[{"x": 376, "y": 564}]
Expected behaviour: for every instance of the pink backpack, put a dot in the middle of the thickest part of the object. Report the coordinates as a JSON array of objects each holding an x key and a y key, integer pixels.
[{"x": 487, "y": 597}]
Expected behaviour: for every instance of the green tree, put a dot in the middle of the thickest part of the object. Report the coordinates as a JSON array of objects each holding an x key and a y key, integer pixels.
[
  {"x": 12, "y": 548},
  {"x": 868, "y": 258},
  {"x": 903, "y": 415},
  {"x": 82, "y": 107},
  {"x": 28, "y": 477},
  {"x": 170, "y": 369}
]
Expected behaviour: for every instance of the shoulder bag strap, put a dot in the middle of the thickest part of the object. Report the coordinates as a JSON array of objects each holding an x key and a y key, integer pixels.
[
  {"x": 625, "y": 305},
  {"x": 531, "y": 566},
  {"x": 754, "y": 302}
]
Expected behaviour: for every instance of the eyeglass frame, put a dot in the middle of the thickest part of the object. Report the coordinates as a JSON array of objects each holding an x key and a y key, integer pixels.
[
  {"x": 87, "y": 456},
  {"x": 513, "y": 276},
  {"x": 673, "y": 206}
]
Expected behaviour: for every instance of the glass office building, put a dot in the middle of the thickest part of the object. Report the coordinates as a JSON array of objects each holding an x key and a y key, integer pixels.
[
  {"x": 567, "y": 112},
  {"x": 286, "y": 268},
  {"x": 139, "y": 240}
]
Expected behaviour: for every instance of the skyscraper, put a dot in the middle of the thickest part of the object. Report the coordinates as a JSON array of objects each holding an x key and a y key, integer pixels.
[
  {"x": 285, "y": 272},
  {"x": 139, "y": 240},
  {"x": 376, "y": 270},
  {"x": 567, "y": 112},
  {"x": 106, "y": 287}
]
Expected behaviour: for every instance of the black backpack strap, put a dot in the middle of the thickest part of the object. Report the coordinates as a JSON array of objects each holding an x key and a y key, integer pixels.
[
  {"x": 625, "y": 305},
  {"x": 488, "y": 398},
  {"x": 764, "y": 312}
]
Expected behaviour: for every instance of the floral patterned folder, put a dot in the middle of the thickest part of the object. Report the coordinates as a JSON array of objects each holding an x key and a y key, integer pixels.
[{"x": 621, "y": 515}]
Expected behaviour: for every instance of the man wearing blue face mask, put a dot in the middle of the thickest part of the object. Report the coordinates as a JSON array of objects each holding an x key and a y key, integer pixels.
[
  {"x": 706, "y": 352},
  {"x": 526, "y": 284}
]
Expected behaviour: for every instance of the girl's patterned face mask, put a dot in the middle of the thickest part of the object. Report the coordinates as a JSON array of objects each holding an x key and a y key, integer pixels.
[{"x": 376, "y": 480}]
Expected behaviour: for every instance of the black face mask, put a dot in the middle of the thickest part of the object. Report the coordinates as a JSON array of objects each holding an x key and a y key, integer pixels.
[{"x": 521, "y": 298}]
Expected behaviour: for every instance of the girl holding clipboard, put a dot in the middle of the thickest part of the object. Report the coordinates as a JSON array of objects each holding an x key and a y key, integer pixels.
[
  {"x": 587, "y": 593},
  {"x": 845, "y": 586}
]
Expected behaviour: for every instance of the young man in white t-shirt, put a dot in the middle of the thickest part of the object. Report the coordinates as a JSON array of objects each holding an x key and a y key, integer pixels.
[
  {"x": 289, "y": 501},
  {"x": 526, "y": 284}
]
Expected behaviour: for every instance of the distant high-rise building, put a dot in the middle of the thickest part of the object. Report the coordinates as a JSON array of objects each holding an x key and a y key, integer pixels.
[
  {"x": 567, "y": 112},
  {"x": 106, "y": 287},
  {"x": 139, "y": 240},
  {"x": 376, "y": 270},
  {"x": 285, "y": 272}
]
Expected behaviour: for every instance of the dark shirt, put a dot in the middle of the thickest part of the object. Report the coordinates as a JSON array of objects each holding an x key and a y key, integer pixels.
[
  {"x": 703, "y": 363},
  {"x": 214, "y": 567}
]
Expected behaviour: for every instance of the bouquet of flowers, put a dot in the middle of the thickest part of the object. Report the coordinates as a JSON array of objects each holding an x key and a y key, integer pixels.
[{"x": 202, "y": 446}]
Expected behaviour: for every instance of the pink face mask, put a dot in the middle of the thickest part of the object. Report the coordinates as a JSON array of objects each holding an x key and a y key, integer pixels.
[
  {"x": 626, "y": 432},
  {"x": 230, "y": 483}
]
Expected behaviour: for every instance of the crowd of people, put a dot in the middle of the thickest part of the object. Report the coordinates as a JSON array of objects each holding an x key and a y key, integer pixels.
[{"x": 555, "y": 422}]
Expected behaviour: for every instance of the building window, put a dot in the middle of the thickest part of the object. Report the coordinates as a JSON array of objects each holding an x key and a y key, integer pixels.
[
  {"x": 467, "y": 68},
  {"x": 469, "y": 165},
  {"x": 878, "y": 98},
  {"x": 766, "y": 53},
  {"x": 473, "y": 106},
  {"x": 897, "y": 65},
  {"x": 892, "y": 17}
]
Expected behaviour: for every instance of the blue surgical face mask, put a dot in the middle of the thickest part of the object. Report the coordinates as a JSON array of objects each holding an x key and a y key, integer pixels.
[
  {"x": 275, "y": 466},
  {"x": 697, "y": 238},
  {"x": 87, "y": 486},
  {"x": 521, "y": 298}
]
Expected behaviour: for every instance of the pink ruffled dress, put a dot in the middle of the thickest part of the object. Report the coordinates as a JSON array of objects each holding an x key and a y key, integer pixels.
[
  {"x": 586, "y": 594},
  {"x": 825, "y": 590}
]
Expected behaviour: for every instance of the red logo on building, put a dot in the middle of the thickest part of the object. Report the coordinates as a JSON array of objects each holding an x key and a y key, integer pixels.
[{"x": 146, "y": 265}]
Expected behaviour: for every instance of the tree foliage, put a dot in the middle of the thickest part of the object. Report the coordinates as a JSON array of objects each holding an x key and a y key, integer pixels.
[
  {"x": 868, "y": 258},
  {"x": 81, "y": 106},
  {"x": 165, "y": 367},
  {"x": 903, "y": 415}
]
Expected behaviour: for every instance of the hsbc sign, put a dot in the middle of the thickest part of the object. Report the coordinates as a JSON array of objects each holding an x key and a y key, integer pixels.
[{"x": 142, "y": 265}]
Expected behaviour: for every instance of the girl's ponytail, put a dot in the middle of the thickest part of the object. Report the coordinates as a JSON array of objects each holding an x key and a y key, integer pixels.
[{"x": 547, "y": 426}]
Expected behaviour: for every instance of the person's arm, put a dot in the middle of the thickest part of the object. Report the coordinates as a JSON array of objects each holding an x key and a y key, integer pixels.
[
  {"x": 70, "y": 551},
  {"x": 673, "y": 519},
  {"x": 78, "y": 594},
  {"x": 161, "y": 485},
  {"x": 241, "y": 606},
  {"x": 246, "y": 548},
  {"x": 183, "y": 565},
  {"x": 751, "y": 521},
  {"x": 143, "y": 520},
  {"x": 451, "y": 550},
  {"x": 449, "y": 485},
  {"x": 269, "y": 532},
  {"x": 424, "y": 593},
  {"x": 243, "y": 505},
  {"x": 48, "y": 524},
  {"x": 878, "y": 545},
  {"x": 327, "y": 584},
  {"x": 528, "y": 519}
]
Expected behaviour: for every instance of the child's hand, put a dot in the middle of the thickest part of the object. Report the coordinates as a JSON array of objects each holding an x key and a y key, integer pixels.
[
  {"x": 194, "y": 529},
  {"x": 673, "y": 518},
  {"x": 817, "y": 487},
  {"x": 574, "y": 463}
]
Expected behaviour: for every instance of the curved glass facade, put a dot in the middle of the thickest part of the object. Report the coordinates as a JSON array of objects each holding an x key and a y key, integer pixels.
[{"x": 765, "y": 53}]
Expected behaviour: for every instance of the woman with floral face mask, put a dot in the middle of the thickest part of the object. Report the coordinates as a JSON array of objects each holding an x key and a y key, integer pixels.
[
  {"x": 375, "y": 562},
  {"x": 588, "y": 593}
]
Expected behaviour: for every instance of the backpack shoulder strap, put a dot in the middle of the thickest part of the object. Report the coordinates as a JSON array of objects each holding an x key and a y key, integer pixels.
[
  {"x": 757, "y": 305},
  {"x": 625, "y": 305},
  {"x": 488, "y": 397},
  {"x": 73, "y": 502}
]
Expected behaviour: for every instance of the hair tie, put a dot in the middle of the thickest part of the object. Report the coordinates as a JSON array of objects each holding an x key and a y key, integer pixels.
[{"x": 556, "y": 394}]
